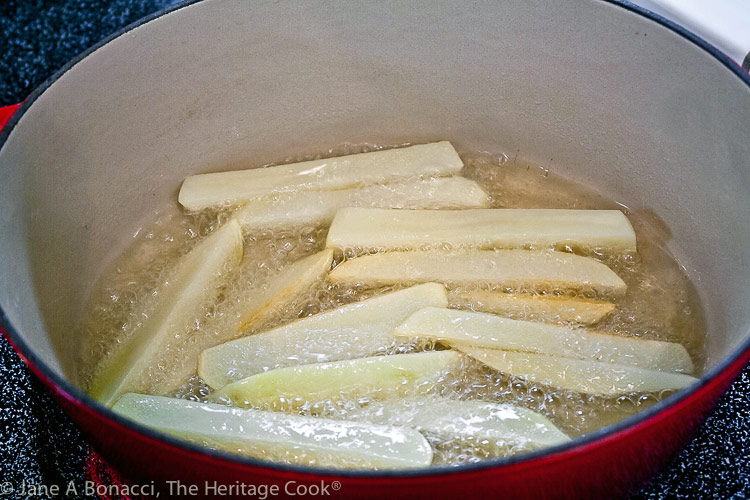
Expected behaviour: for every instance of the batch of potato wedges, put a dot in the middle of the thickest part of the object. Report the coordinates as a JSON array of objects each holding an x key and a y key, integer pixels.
[{"x": 401, "y": 219}]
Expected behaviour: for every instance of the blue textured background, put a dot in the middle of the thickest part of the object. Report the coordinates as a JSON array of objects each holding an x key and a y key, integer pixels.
[{"x": 40, "y": 444}]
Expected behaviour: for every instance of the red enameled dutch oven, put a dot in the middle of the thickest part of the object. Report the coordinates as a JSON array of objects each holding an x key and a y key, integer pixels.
[{"x": 598, "y": 91}]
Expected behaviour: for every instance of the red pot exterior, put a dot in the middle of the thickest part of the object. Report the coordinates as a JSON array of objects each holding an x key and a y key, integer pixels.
[{"x": 6, "y": 113}]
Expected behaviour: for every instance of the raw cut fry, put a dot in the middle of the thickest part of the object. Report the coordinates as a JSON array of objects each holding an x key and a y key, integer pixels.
[
  {"x": 281, "y": 289},
  {"x": 538, "y": 307},
  {"x": 351, "y": 331},
  {"x": 377, "y": 377},
  {"x": 584, "y": 376},
  {"x": 499, "y": 268},
  {"x": 489, "y": 228},
  {"x": 317, "y": 208},
  {"x": 203, "y": 191},
  {"x": 193, "y": 283},
  {"x": 278, "y": 436},
  {"x": 484, "y": 424},
  {"x": 483, "y": 330}
]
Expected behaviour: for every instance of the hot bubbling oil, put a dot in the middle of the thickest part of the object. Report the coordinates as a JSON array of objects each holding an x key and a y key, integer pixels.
[{"x": 660, "y": 304}]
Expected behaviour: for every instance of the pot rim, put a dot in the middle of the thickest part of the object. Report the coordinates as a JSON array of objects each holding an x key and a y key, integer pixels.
[{"x": 76, "y": 396}]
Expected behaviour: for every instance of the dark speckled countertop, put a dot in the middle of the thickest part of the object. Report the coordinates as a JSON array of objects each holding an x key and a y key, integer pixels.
[{"x": 40, "y": 444}]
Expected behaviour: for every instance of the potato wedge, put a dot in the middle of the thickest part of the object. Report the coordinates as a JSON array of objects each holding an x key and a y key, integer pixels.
[
  {"x": 534, "y": 307},
  {"x": 377, "y": 377},
  {"x": 203, "y": 191},
  {"x": 280, "y": 437},
  {"x": 352, "y": 331},
  {"x": 317, "y": 208},
  {"x": 500, "y": 268},
  {"x": 366, "y": 229},
  {"x": 584, "y": 376},
  {"x": 193, "y": 283},
  {"x": 486, "y": 425},
  {"x": 483, "y": 330},
  {"x": 283, "y": 288},
  {"x": 277, "y": 293}
]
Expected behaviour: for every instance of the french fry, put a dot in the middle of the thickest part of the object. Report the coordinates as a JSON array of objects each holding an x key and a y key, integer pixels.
[
  {"x": 377, "y": 377},
  {"x": 351, "y": 331},
  {"x": 193, "y": 283},
  {"x": 483, "y": 424},
  {"x": 280, "y": 437},
  {"x": 500, "y": 268},
  {"x": 584, "y": 376},
  {"x": 539, "y": 307},
  {"x": 293, "y": 280},
  {"x": 490, "y": 228},
  {"x": 282, "y": 289},
  {"x": 483, "y": 330},
  {"x": 203, "y": 191},
  {"x": 317, "y": 208}
]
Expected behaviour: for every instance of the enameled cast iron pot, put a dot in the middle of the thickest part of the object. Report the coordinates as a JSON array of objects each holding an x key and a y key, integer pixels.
[{"x": 597, "y": 91}]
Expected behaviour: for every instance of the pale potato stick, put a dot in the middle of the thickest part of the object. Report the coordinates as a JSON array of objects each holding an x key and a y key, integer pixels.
[
  {"x": 584, "y": 376},
  {"x": 237, "y": 187},
  {"x": 483, "y": 330},
  {"x": 193, "y": 283},
  {"x": 281, "y": 289},
  {"x": 541, "y": 307},
  {"x": 317, "y": 208},
  {"x": 351, "y": 331},
  {"x": 500, "y": 268},
  {"x": 378, "y": 377},
  {"x": 484, "y": 424},
  {"x": 489, "y": 228},
  {"x": 278, "y": 436}
]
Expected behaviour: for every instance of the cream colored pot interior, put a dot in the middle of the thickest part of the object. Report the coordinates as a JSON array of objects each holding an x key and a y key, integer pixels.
[{"x": 594, "y": 92}]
